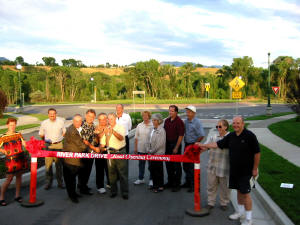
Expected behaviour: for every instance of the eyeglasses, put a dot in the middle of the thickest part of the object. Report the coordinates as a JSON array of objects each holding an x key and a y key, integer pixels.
[{"x": 218, "y": 127}]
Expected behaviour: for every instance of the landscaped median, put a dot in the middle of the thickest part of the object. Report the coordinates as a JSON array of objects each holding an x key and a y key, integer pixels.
[{"x": 275, "y": 170}]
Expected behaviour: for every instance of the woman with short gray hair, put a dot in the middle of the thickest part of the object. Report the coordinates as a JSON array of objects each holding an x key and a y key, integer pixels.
[{"x": 157, "y": 146}]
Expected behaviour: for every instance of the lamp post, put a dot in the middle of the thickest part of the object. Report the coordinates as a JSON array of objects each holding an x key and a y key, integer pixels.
[
  {"x": 19, "y": 67},
  {"x": 92, "y": 80},
  {"x": 269, "y": 107}
]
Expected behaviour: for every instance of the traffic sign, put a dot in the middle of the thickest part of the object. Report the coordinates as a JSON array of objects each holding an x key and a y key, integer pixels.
[
  {"x": 237, "y": 83},
  {"x": 237, "y": 94},
  {"x": 276, "y": 90},
  {"x": 207, "y": 86}
]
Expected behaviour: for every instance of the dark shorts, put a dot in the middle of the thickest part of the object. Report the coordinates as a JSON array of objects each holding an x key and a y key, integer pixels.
[{"x": 241, "y": 183}]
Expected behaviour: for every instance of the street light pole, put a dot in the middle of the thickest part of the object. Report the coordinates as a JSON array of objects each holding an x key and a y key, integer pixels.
[
  {"x": 269, "y": 107},
  {"x": 92, "y": 80},
  {"x": 19, "y": 67}
]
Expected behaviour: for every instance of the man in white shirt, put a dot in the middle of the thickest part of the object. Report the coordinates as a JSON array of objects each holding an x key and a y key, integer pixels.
[
  {"x": 52, "y": 130},
  {"x": 118, "y": 168},
  {"x": 124, "y": 120}
]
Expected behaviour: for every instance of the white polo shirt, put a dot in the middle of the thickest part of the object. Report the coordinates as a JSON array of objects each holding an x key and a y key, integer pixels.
[
  {"x": 125, "y": 121},
  {"x": 53, "y": 130}
]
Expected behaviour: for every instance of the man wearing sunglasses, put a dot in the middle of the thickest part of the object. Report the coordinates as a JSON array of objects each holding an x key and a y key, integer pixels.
[
  {"x": 194, "y": 132},
  {"x": 244, "y": 157}
]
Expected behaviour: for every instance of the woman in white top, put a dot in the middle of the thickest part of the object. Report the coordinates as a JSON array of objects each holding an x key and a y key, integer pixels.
[
  {"x": 218, "y": 169},
  {"x": 142, "y": 134}
]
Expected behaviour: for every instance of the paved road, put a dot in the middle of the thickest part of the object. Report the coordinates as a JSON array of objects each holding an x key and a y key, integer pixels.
[
  {"x": 143, "y": 206},
  {"x": 213, "y": 111}
]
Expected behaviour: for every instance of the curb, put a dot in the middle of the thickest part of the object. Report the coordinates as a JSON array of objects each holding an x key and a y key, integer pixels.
[{"x": 271, "y": 207}]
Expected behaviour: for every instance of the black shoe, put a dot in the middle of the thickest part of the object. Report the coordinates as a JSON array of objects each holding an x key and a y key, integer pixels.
[
  {"x": 47, "y": 186},
  {"x": 210, "y": 207},
  {"x": 223, "y": 207},
  {"x": 113, "y": 195},
  {"x": 125, "y": 197},
  {"x": 61, "y": 186},
  {"x": 176, "y": 189},
  {"x": 168, "y": 185},
  {"x": 185, "y": 185},
  {"x": 74, "y": 199},
  {"x": 86, "y": 192},
  {"x": 78, "y": 195}
]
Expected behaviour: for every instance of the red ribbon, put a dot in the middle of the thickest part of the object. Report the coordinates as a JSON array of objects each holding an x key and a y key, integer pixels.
[{"x": 191, "y": 154}]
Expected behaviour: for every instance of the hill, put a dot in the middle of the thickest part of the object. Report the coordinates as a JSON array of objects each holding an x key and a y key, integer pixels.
[
  {"x": 3, "y": 59},
  {"x": 112, "y": 71}
]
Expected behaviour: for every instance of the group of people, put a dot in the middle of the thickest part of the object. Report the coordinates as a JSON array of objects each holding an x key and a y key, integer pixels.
[{"x": 233, "y": 157}]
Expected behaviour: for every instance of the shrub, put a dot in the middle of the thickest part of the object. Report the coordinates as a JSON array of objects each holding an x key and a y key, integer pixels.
[
  {"x": 3, "y": 102},
  {"x": 37, "y": 96}
]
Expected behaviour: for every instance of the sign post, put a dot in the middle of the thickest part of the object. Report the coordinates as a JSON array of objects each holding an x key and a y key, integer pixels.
[
  {"x": 237, "y": 84},
  {"x": 207, "y": 87}
]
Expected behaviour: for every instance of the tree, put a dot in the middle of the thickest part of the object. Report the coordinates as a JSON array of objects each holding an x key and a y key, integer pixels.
[
  {"x": 3, "y": 102},
  {"x": 74, "y": 82},
  {"x": 49, "y": 61},
  {"x": 186, "y": 72},
  {"x": 72, "y": 63},
  {"x": 19, "y": 60},
  {"x": 60, "y": 73},
  {"x": 293, "y": 92}
]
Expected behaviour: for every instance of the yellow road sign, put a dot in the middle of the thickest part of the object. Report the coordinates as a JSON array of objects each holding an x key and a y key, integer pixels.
[
  {"x": 237, "y": 94},
  {"x": 207, "y": 86},
  {"x": 237, "y": 83}
]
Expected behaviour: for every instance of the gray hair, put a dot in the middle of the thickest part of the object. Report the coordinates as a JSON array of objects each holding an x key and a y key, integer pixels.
[
  {"x": 158, "y": 117},
  {"x": 112, "y": 114}
]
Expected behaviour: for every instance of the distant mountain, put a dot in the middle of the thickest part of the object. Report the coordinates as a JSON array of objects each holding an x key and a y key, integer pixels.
[
  {"x": 3, "y": 59},
  {"x": 179, "y": 64}
]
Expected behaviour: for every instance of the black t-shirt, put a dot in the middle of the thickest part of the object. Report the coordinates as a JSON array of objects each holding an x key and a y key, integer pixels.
[{"x": 242, "y": 149}]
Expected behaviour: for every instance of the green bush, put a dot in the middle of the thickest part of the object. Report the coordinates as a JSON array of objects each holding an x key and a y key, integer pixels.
[{"x": 37, "y": 96}]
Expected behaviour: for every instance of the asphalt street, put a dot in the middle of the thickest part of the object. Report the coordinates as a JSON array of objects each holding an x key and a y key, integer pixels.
[
  {"x": 209, "y": 111},
  {"x": 143, "y": 207}
]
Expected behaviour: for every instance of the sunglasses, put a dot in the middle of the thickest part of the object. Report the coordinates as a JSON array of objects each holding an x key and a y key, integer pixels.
[{"x": 218, "y": 127}]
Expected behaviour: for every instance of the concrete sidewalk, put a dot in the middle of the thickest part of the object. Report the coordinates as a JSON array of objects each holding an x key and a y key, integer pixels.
[
  {"x": 23, "y": 120},
  {"x": 278, "y": 145}
]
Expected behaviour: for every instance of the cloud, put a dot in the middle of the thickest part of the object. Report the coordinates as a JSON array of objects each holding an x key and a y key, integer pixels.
[{"x": 208, "y": 32}]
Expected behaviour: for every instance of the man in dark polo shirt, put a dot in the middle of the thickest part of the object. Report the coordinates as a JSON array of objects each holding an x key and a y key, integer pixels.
[
  {"x": 244, "y": 157},
  {"x": 174, "y": 127}
]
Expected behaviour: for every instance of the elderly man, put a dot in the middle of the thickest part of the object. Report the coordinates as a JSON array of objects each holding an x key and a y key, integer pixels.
[
  {"x": 244, "y": 157},
  {"x": 73, "y": 143},
  {"x": 174, "y": 128},
  {"x": 89, "y": 138},
  {"x": 115, "y": 141},
  {"x": 101, "y": 164},
  {"x": 52, "y": 130},
  {"x": 194, "y": 132},
  {"x": 124, "y": 120}
]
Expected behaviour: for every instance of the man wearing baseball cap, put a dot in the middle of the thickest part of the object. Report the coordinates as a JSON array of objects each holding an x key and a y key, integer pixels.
[{"x": 194, "y": 132}]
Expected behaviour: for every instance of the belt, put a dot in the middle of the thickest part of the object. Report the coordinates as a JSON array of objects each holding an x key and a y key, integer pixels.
[
  {"x": 53, "y": 143},
  {"x": 115, "y": 150}
]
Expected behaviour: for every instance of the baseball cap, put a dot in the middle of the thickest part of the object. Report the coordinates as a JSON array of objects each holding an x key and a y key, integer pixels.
[{"x": 192, "y": 108}]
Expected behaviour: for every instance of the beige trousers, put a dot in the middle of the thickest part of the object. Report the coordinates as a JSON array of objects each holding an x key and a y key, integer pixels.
[
  {"x": 58, "y": 165},
  {"x": 213, "y": 182}
]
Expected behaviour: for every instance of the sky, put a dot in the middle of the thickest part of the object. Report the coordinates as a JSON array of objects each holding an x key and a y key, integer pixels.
[{"x": 210, "y": 32}]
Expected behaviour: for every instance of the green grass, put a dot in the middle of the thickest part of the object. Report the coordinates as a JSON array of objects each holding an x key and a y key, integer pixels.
[
  {"x": 275, "y": 170},
  {"x": 288, "y": 130},
  {"x": 23, "y": 127},
  {"x": 264, "y": 117},
  {"x": 4, "y": 119}
]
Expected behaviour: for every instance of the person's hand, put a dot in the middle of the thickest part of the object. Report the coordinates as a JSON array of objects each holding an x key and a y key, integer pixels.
[
  {"x": 97, "y": 149},
  {"x": 175, "y": 150},
  {"x": 254, "y": 172},
  {"x": 86, "y": 142},
  {"x": 135, "y": 151}
]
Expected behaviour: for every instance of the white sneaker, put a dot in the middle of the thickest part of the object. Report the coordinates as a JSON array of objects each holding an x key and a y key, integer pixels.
[
  {"x": 139, "y": 181},
  {"x": 247, "y": 222},
  {"x": 108, "y": 186},
  {"x": 150, "y": 182},
  {"x": 236, "y": 216},
  {"x": 101, "y": 190}
]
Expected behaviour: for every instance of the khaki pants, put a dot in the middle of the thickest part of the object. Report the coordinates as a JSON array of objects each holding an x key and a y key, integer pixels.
[
  {"x": 58, "y": 165},
  {"x": 213, "y": 182}
]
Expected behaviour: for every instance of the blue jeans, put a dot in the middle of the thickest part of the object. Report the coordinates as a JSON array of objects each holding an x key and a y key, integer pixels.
[{"x": 142, "y": 164}]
